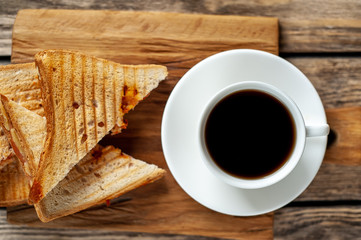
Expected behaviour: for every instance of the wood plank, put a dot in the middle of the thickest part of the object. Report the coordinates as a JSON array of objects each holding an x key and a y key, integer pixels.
[
  {"x": 178, "y": 41},
  {"x": 338, "y": 178},
  {"x": 334, "y": 182},
  {"x": 120, "y": 216},
  {"x": 337, "y": 79},
  {"x": 10, "y": 231},
  {"x": 6, "y": 24},
  {"x": 334, "y": 222},
  {"x": 346, "y": 146},
  {"x": 305, "y": 26}
]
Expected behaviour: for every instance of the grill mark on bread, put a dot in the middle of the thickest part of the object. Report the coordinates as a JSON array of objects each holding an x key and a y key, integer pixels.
[
  {"x": 105, "y": 113},
  {"x": 130, "y": 91},
  {"x": 93, "y": 107},
  {"x": 63, "y": 116},
  {"x": 135, "y": 88},
  {"x": 125, "y": 87},
  {"x": 37, "y": 193},
  {"x": 108, "y": 156},
  {"x": 83, "y": 95},
  {"x": 126, "y": 175},
  {"x": 131, "y": 170},
  {"x": 61, "y": 103},
  {"x": 153, "y": 175},
  {"x": 119, "y": 74},
  {"x": 73, "y": 76},
  {"x": 115, "y": 95}
]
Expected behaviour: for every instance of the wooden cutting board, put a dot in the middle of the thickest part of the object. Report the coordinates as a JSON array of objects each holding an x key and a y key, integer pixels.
[{"x": 178, "y": 41}]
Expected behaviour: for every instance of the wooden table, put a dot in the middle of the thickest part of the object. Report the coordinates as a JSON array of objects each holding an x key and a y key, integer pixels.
[{"x": 323, "y": 39}]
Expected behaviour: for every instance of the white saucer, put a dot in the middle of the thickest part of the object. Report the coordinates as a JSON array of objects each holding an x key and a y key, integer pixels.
[{"x": 182, "y": 114}]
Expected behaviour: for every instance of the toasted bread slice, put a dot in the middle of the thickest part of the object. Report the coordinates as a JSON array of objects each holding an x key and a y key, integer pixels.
[
  {"x": 20, "y": 83},
  {"x": 26, "y": 131},
  {"x": 102, "y": 175},
  {"x": 14, "y": 185},
  {"x": 84, "y": 98}
]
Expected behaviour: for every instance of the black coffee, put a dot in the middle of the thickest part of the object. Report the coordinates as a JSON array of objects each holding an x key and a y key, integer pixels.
[{"x": 250, "y": 134}]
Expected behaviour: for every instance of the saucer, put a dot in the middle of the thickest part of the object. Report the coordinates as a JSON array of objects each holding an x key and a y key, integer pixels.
[{"x": 183, "y": 111}]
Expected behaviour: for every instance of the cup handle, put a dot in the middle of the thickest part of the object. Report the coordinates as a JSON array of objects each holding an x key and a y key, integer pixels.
[{"x": 317, "y": 131}]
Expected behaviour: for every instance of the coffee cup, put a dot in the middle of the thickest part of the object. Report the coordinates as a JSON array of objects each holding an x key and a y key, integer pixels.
[{"x": 252, "y": 135}]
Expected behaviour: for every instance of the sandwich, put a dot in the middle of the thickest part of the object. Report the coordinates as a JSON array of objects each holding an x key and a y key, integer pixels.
[
  {"x": 103, "y": 174},
  {"x": 84, "y": 98},
  {"x": 65, "y": 140}
]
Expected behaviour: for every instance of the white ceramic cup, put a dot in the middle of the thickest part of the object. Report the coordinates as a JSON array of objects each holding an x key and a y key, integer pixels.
[{"x": 302, "y": 132}]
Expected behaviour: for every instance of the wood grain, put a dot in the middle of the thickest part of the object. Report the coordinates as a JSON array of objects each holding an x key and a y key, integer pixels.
[
  {"x": 336, "y": 78},
  {"x": 339, "y": 175},
  {"x": 11, "y": 231},
  {"x": 346, "y": 126},
  {"x": 119, "y": 217},
  {"x": 331, "y": 222},
  {"x": 178, "y": 41},
  {"x": 334, "y": 182},
  {"x": 306, "y": 26}
]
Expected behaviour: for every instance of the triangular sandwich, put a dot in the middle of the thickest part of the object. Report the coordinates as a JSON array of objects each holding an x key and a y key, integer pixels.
[
  {"x": 84, "y": 98},
  {"x": 102, "y": 175}
]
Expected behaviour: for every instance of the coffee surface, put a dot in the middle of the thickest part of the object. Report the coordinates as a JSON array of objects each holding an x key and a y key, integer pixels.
[{"x": 250, "y": 134}]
